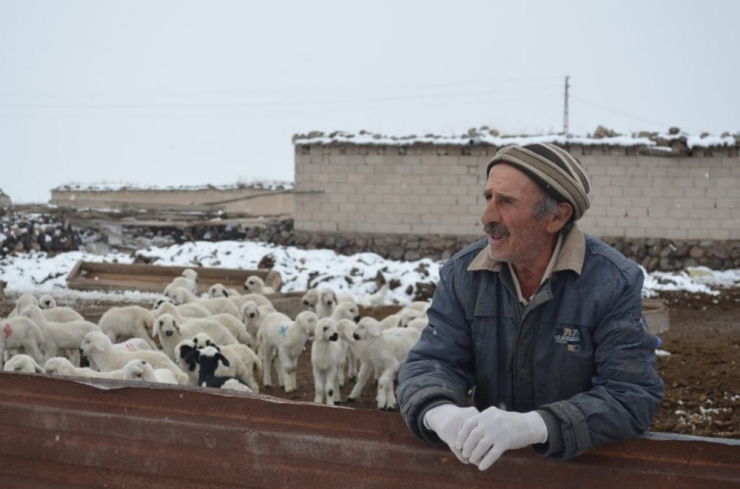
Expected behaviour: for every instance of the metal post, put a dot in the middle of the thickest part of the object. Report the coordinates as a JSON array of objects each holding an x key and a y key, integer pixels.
[{"x": 565, "y": 110}]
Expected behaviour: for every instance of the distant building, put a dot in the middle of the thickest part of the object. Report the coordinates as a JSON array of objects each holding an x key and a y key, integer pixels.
[{"x": 4, "y": 199}]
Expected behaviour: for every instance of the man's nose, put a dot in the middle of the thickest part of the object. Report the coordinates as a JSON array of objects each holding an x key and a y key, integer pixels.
[{"x": 490, "y": 213}]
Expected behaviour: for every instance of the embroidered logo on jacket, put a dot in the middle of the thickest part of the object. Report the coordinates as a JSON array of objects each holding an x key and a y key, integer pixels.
[{"x": 570, "y": 337}]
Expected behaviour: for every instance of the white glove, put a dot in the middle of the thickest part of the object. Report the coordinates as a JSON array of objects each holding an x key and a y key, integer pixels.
[
  {"x": 446, "y": 420},
  {"x": 483, "y": 438}
]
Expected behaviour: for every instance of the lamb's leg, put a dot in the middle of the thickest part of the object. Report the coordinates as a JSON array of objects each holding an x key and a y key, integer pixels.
[
  {"x": 387, "y": 401},
  {"x": 288, "y": 369},
  {"x": 33, "y": 350},
  {"x": 340, "y": 373},
  {"x": 351, "y": 365},
  {"x": 318, "y": 383},
  {"x": 332, "y": 389},
  {"x": 362, "y": 378},
  {"x": 267, "y": 362}
]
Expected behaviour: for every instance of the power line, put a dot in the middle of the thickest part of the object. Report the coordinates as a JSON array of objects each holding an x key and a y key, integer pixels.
[
  {"x": 267, "y": 104},
  {"x": 618, "y": 112}
]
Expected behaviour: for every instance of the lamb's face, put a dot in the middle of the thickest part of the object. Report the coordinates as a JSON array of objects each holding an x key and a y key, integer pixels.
[
  {"x": 167, "y": 325},
  {"x": 328, "y": 297},
  {"x": 310, "y": 299},
  {"x": 253, "y": 284},
  {"x": 250, "y": 311},
  {"x": 217, "y": 290},
  {"x": 349, "y": 311},
  {"x": 326, "y": 329}
]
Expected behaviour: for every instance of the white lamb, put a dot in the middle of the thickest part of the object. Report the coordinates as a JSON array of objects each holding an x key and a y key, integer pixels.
[
  {"x": 191, "y": 310},
  {"x": 98, "y": 348},
  {"x": 18, "y": 333},
  {"x": 61, "y": 315},
  {"x": 259, "y": 299},
  {"x": 216, "y": 305},
  {"x": 346, "y": 329},
  {"x": 420, "y": 306},
  {"x": 142, "y": 370},
  {"x": 419, "y": 323},
  {"x": 59, "y": 336},
  {"x": 255, "y": 285},
  {"x": 375, "y": 299},
  {"x": 121, "y": 323},
  {"x": 235, "y": 326},
  {"x": 171, "y": 332},
  {"x": 400, "y": 319},
  {"x": 310, "y": 299},
  {"x": 220, "y": 290},
  {"x": 346, "y": 310},
  {"x": 47, "y": 302},
  {"x": 283, "y": 340},
  {"x": 133, "y": 344},
  {"x": 188, "y": 280},
  {"x": 252, "y": 316},
  {"x": 326, "y": 357},
  {"x": 387, "y": 351},
  {"x": 23, "y": 364},
  {"x": 63, "y": 367},
  {"x": 22, "y": 302},
  {"x": 326, "y": 303}
]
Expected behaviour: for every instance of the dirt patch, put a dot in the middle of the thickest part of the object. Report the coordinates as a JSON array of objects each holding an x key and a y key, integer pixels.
[{"x": 702, "y": 374}]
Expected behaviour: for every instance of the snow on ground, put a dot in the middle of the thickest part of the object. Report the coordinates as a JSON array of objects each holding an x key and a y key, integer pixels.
[{"x": 36, "y": 272}]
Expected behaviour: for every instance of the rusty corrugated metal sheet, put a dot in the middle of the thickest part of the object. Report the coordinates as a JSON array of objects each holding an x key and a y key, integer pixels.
[{"x": 64, "y": 433}]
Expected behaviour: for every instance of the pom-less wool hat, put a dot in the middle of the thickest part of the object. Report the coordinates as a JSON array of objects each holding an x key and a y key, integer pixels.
[{"x": 557, "y": 172}]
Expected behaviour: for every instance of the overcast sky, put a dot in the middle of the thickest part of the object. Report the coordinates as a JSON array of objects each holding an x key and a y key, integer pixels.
[{"x": 175, "y": 92}]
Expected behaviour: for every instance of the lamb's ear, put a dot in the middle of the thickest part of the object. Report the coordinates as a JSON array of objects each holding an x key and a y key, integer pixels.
[
  {"x": 38, "y": 368},
  {"x": 223, "y": 359},
  {"x": 373, "y": 328},
  {"x": 157, "y": 325},
  {"x": 99, "y": 343},
  {"x": 334, "y": 297},
  {"x": 174, "y": 324}
]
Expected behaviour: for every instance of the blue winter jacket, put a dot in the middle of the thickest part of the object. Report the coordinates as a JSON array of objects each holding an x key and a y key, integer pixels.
[{"x": 579, "y": 353}]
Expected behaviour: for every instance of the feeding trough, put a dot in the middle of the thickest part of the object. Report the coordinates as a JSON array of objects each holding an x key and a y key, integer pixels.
[{"x": 656, "y": 315}]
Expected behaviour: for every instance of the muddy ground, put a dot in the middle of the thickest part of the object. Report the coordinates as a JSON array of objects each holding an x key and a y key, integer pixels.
[{"x": 702, "y": 374}]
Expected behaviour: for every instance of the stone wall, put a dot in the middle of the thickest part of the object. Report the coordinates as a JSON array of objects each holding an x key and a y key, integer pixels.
[
  {"x": 237, "y": 200},
  {"x": 51, "y": 233},
  {"x": 638, "y": 192}
]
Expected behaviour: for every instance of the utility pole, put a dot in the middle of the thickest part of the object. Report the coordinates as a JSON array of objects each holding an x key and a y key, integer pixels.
[{"x": 565, "y": 110}]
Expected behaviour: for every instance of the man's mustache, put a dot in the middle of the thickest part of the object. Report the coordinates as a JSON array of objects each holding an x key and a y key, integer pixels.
[{"x": 497, "y": 229}]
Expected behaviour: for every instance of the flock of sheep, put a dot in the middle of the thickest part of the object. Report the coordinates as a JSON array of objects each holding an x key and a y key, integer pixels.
[{"x": 224, "y": 339}]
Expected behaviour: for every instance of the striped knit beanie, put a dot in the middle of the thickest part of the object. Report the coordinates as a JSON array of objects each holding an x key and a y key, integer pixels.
[{"x": 557, "y": 172}]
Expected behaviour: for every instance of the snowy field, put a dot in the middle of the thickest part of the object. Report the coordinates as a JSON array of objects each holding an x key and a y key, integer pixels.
[{"x": 36, "y": 272}]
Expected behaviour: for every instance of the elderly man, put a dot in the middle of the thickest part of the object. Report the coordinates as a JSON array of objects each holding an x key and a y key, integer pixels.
[{"x": 543, "y": 323}]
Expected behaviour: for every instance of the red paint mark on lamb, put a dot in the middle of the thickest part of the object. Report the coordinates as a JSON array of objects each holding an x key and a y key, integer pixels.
[{"x": 7, "y": 331}]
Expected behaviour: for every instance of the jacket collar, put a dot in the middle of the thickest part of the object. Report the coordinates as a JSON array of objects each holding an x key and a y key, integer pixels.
[{"x": 571, "y": 255}]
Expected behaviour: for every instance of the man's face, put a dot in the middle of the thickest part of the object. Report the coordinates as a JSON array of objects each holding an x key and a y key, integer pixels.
[{"x": 514, "y": 235}]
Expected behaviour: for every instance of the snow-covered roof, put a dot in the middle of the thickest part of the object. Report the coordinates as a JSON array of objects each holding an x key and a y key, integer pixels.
[
  {"x": 486, "y": 136},
  {"x": 117, "y": 186}
]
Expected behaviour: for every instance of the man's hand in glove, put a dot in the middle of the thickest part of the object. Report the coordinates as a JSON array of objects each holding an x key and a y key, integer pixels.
[
  {"x": 446, "y": 420},
  {"x": 483, "y": 438}
]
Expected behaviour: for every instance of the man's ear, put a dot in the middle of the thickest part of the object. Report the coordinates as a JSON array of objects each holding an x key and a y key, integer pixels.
[{"x": 565, "y": 211}]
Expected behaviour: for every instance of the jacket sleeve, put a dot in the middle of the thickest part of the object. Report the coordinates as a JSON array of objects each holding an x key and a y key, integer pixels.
[
  {"x": 440, "y": 367},
  {"x": 627, "y": 389}
]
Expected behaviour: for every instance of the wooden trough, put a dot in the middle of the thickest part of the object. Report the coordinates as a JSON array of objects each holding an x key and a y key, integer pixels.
[
  {"x": 104, "y": 433},
  {"x": 154, "y": 278}
]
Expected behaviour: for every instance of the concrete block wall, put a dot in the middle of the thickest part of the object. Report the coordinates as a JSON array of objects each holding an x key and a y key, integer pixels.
[{"x": 437, "y": 189}]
